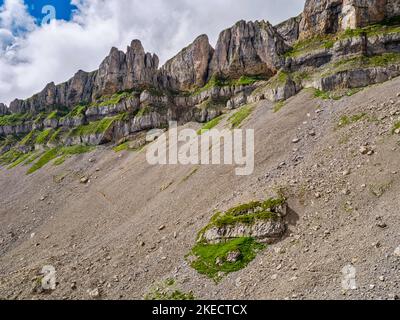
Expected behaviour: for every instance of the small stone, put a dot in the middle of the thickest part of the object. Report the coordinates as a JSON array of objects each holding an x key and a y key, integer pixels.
[
  {"x": 364, "y": 150},
  {"x": 233, "y": 256},
  {"x": 397, "y": 131},
  {"x": 84, "y": 180},
  {"x": 346, "y": 192},
  {"x": 296, "y": 140},
  {"x": 381, "y": 225},
  {"x": 317, "y": 195},
  {"x": 382, "y": 278},
  {"x": 397, "y": 252},
  {"x": 312, "y": 133},
  {"x": 92, "y": 160},
  {"x": 162, "y": 227},
  {"x": 73, "y": 285},
  {"x": 346, "y": 172},
  {"x": 95, "y": 293},
  {"x": 274, "y": 277}
]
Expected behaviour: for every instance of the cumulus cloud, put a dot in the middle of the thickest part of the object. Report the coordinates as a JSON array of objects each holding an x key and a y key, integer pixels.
[{"x": 31, "y": 56}]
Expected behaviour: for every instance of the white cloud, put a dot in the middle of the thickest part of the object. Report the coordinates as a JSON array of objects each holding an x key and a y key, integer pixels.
[{"x": 31, "y": 56}]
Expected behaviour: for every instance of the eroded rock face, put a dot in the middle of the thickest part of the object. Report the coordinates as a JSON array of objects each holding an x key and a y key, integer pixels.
[
  {"x": 3, "y": 109},
  {"x": 392, "y": 8},
  {"x": 190, "y": 66},
  {"x": 122, "y": 71},
  {"x": 330, "y": 16},
  {"x": 320, "y": 17},
  {"x": 70, "y": 93},
  {"x": 248, "y": 48},
  {"x": 290, "y": 29},
  {"x": 360, "y": 13},
  {"x": 263, "y": 230}
]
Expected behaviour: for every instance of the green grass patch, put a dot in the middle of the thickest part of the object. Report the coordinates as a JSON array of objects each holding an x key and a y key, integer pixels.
[
  {"x": 58, "y": 152},
  {"x": 210, "y": 259},
  {"x": 247, "y": 213},
  {"x": 217, "y": 81},
  {"x": 29, "y": 139},
  {"x": 237, "y": 118},
  {"x": 10, "y": 156},
  {"x": 77, "y": 112},
  {"x": 20, "y": 160},
  {"x": 361, "y": 62},
  {"x": 387, "y": 27},
  {"x": 305, "y": 46},
  {"x": 44, "y": 136},
  {"x": 60, "y": 160},
  {"x": 168, "y": 291},
  {"x": 278, "y": 106},
  {"x": 111, "y": 99},
  {"x": 143, "y": 111},
  {"x": 322, "y": 94},
  {"x": 57, "y": 114},
  {"x": 96, "y": 127},
  {"x": 44, "y": 159},
  {"x": 396, "y": 126},
  {"x": 15, "y": 119},
  {"x": 34, "y": 156},
  {"x": 55, "y": 137},
  {"x": 347, "y": 120},
  {"x": 121, "y": 147},
  {"x": 210, "y": 125}
]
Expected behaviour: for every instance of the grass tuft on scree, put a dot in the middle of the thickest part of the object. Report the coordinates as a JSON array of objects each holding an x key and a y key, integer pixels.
[{"x": 210, "y": 259}]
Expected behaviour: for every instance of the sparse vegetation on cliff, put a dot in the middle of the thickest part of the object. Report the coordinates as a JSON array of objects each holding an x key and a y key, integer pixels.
[
  {"x": 58, "y": 152},
  {"x": 237, "y": 118}
]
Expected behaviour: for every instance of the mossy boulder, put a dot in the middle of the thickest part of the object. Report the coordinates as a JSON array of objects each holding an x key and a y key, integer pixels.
[{"x": 262, "y": 221}]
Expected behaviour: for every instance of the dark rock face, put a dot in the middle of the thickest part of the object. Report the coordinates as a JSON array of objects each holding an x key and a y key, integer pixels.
[
  {"x": 76, "y": 90},
  {"x": 320, "y": 17},
  {"x": 120, "y": 71},
  {"x": 330, "y": 16},
  {"x": 190, "y": 66},
  {"x": 248, "y": 48},
  {"x": 3, "y": 109},
  {"x": 290, "y": 29},
  {"x": 392, "y": 8}
]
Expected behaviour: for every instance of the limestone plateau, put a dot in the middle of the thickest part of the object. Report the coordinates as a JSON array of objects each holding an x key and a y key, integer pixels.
[{"x": 333, "y": 45}]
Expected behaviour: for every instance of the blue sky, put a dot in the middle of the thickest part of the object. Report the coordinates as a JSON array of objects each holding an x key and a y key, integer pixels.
[{"x": 63, "y": 8}]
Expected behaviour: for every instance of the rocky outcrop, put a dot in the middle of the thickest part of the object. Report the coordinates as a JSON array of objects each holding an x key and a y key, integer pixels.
[
  {"x": 248, "y": 48},
  {"x": 357, "y": 78},
  {"x": 264, "y": 222},
  {"x": 330, "y": 16},
  {"x": 190, "y": 67},
  {"x": 122, "y": 71},
  {"x": 76, "y": 90},
  {"x": 3, "y": 109},
  {"x": 290, "y": 29},
  {"x": 320, "y": 17},
  {"x": 130, "y": 104},
  {"x": 392, "y": 8},
  {"x": 267, "y": 231}
]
